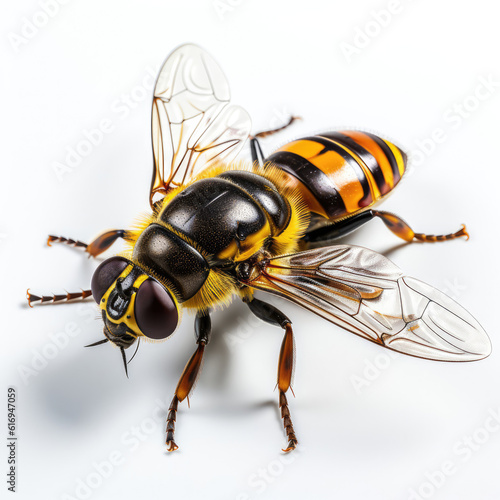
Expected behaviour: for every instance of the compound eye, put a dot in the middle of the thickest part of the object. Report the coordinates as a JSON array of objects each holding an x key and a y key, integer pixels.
[
  {"x": 105, "y": 275},
  {"x": 155, "y": 311}
]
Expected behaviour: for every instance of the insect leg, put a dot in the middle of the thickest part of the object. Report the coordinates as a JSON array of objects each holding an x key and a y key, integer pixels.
[
  {"x": 203, "y": 329},
  {"x": 267, "y": 133},
  {"x": 255, "y": 149},
  {"x": 285, "y": 373},
  {"x": 270, "y": 314},
  {"x": 338, "y": 229},
  {"x": 400, "y": 228},
  {"x": 96, "y": 246},
  {"x": 256, "y": 152},
  {"x": 394, "y": 223},
  {"x": 54, "y": 299}
]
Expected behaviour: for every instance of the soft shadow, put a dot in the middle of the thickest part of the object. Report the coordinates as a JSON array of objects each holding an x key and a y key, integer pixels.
[
  {"x": 347, "y": 240},
  {"x": 82, "y": 389},
  {"x": 225, "y": 323},
  {"x": 393, "y": 249},
  {"x": 242, "y": 409}
]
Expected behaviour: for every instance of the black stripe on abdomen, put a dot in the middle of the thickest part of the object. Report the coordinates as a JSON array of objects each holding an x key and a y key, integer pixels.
[
  {"x": 318, "y": 183},
  {"x": 388, "y": 153},
  {"x": 351, "y": 161},
  {"x": 366, "y": 157}
]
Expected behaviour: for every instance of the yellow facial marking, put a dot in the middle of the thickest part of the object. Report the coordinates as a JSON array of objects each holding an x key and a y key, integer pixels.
[{"x": 129, "y": 317}]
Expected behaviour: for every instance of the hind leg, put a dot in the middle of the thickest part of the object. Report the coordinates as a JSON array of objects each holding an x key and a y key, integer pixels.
[
  {"x": 401, "y": 229},
  {"x": 394, "y": 223}
]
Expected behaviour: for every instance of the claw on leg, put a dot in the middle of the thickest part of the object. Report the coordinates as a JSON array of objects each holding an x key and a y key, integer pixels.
[
  {"x": 172, "y": 413},
  {"x": 287, "y": 424},
  {"x": 172, "y": 446},
  {"x": 291, "y": 446},
  {"x": 443, "y": 237}
]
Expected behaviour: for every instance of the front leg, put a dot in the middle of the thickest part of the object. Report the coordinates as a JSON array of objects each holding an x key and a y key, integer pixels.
[
  {"x": 96, "y": 246},
  {"x": 203, "y": 330},
  {"x": 269, "y": 314}
]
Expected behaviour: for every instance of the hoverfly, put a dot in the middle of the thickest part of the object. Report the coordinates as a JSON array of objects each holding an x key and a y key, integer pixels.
[{"x": 220, "y": 229}]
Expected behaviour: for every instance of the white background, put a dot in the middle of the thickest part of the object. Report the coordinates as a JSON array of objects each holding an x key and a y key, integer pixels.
[{"x": 410, "y": 416}]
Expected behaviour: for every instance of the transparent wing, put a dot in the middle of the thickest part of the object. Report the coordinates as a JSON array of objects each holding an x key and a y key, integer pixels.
[
  {"x": 365, "y": 293},
  {"x": 193, "y": 124}
]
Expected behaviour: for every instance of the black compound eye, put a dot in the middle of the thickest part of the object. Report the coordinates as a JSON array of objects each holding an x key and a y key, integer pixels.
[
  {"x": 105, "y": 275},
  {"x": 155, "y": 311}
]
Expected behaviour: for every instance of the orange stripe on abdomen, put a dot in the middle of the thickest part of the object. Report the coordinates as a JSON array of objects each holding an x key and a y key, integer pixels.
[
  {"x": 335, "y": 167},
  {"x": 376, "y": 151},
  {"x": 341, "y": 173},
  {"x": 400, "y": 157}
]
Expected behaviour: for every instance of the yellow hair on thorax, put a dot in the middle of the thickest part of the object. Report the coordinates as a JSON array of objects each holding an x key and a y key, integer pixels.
[
  {"x": 217, "y": 292},
  {"x": 141, "y": 222},
  {"x": 219, "y": 288}
]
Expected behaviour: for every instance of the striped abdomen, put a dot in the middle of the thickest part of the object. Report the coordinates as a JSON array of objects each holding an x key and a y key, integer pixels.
[{"x": 341, "y": 173}]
